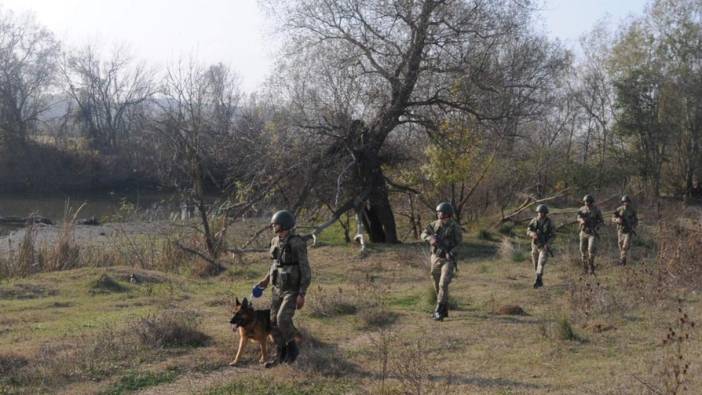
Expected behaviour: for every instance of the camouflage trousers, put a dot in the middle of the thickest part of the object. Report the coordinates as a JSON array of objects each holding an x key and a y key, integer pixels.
[
  {"x": 442, "y": 273},
  {"x": 624, "y": 241},
  {"x": 282, "y": 312},
  {"x": 588, "y": 248},
  {"x": 539, "y": 256}
]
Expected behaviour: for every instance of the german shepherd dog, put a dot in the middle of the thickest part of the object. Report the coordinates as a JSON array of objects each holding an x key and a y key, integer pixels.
[{"x": 251, "y": 324}]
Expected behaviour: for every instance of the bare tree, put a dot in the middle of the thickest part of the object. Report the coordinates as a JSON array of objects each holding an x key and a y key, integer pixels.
[
  {"x": 28, "y": 55},
  {"x": 109, "y": 94},
  {"x": 368, "y": 68}
]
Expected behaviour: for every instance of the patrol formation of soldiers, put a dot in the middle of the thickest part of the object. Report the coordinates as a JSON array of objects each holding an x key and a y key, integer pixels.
[{"x": 290, "y": 271}]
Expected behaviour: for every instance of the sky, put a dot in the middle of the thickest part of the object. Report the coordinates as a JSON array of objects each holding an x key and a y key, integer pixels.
[{"x": 236, "y": 32}]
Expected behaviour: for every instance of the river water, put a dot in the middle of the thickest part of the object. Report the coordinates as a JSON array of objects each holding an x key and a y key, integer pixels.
[{"x": 102, "y": 205}]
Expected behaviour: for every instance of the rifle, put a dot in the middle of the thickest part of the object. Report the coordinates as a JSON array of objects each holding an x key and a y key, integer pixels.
[
  {"x": 540, "y": 238},
  {"x": 625, "y": 223},
  {"x": 444, "y": 251},
  {"x": 587, "y": 223}
]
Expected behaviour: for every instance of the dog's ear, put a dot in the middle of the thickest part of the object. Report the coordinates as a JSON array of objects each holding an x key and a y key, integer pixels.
[
  {"x": 237, "y": 301},
  {"x": 245, "y": 303}
]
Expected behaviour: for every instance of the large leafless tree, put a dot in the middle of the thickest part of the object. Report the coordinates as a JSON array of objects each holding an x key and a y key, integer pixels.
[
  {"x": 357, "y": 71},
  {"x": 110, "y": 94}
]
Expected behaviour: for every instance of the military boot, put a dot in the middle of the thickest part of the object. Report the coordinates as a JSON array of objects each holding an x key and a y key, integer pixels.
[
  {"x": 280, "y": 356},
  {"x": 437, "y": 313},
  {"x": 539, "y": 282},
  {"x": 292, "y": 352},
  {"x": 440, "y": 311}
]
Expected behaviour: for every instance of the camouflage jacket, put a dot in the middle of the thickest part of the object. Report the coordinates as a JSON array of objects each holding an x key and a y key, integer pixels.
[
  {"x": 290, "y": 271},
  {"x": 593, "y": 219},
  {"x": 542, "y": 229},
  {"x": 449, "y": 234},
  {"x": 629, "y": 219}
]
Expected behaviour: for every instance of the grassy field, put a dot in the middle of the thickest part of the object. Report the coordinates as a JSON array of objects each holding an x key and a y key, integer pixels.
[{"x": 366, "y": 327}]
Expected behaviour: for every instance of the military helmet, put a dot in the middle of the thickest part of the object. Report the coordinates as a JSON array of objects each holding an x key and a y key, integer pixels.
[
  {"x": 626, "y": 199},
  {"x": 284, "y": 218},
  {"x": 542, "y": 208},
  {"x": 445, "y": 208},
  {"x": 588, "y": 199}
]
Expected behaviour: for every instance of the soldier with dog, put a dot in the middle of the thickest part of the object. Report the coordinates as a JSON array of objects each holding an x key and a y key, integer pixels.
[{"x": 290, "y": 275}]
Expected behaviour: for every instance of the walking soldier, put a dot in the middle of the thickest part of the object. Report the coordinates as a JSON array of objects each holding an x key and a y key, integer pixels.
[
  {"x": 444, "y": 235},
  {"x": 291, "y": 275},
  {"x": 590, "y": 220},
  {"x": 541, "y": 231},
  {"x": 625, "y": 218}
]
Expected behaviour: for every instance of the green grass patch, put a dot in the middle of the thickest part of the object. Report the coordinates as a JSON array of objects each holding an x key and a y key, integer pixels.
[
  {"x": 476, "y": 249},
  {"x": 430, "y": 299},
  {"x": 405, "y": 301},
  {"x": 334, "y": 235},
  {"x": 134, "y": 381}
]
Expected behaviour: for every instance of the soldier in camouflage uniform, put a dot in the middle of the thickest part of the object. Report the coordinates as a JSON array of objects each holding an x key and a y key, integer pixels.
[
  {"x": 625, "y": 218},
  {"x": 541, "y": 231},
  {"x": 444, "y": 235},
  {"x": 291, "y": 276},
  {"x": 590, "y": 220}
]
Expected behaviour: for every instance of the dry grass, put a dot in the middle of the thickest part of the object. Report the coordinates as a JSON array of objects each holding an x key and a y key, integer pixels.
[
  {"x": 584, "y": 328},
  {"x": 331, "y": 303}
]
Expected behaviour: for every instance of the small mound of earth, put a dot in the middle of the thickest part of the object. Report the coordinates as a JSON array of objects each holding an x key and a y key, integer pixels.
[
  {"x": 106, "y": 284},
  {"x": 511, "y": 309}
]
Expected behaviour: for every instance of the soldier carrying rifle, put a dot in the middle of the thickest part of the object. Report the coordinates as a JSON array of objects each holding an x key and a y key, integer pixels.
[
  {"x": 541, "y": 231},
  {"x": 444, "y": 235},
  {"x": 625, "y": 218},
  {"x": 590, "y": 220}
]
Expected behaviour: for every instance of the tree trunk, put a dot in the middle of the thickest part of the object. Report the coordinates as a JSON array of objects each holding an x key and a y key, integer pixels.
[{"x": 379, "y": 219}]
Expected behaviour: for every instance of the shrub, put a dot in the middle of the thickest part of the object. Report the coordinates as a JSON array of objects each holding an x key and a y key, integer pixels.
[
  {"x": 106, "y": 284},
  {"x": 506, "y": 228},
  {"x": 170, "y": 329},
  {"x": 565, "y": 330},
  {"x": 331, "y": 304},
  {"x": 65, "y": 253},
  {"x": 321, "y": 358},
  {"x": 10, "y": 366},
  {"x": 484, "y": 234}
]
